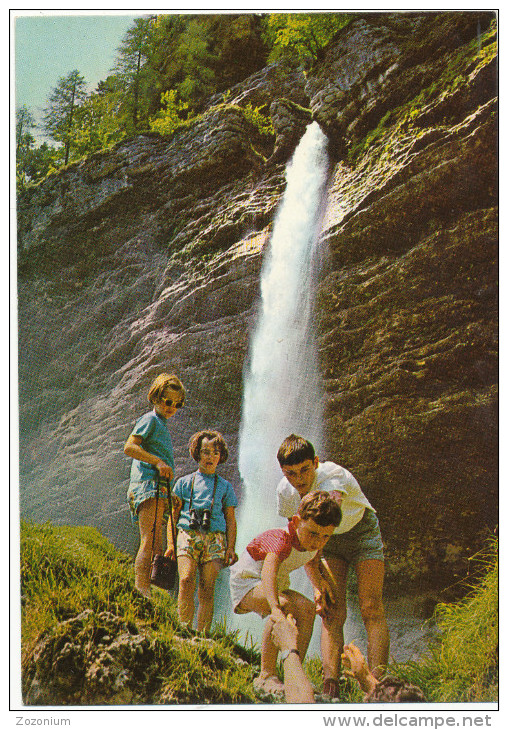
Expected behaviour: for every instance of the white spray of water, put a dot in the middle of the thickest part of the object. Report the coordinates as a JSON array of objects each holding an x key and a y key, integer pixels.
[{"x": 281, "y": 391}]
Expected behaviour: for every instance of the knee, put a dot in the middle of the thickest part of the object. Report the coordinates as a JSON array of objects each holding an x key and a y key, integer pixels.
[
  {"x": 336, "y": 615},
  {"x": 372, "y": 609},
  {"x": 307, "y": 611}
]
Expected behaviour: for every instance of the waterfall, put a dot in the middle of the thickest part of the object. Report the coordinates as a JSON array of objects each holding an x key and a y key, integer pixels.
[{"x": 282, "y": 391}]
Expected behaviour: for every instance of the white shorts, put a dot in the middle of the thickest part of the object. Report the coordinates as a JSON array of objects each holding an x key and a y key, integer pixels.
[{"x": 245, "y": 575}]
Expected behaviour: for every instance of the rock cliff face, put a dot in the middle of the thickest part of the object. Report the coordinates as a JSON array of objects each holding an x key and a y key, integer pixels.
[{"x": 146, "y": 258}]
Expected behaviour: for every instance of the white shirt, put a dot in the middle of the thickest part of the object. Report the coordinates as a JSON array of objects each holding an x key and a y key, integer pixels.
[{"x": 329, "y": 477}]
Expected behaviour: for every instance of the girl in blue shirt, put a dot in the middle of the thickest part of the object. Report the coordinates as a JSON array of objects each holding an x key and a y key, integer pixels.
[
  {"x": 206, "y": 522},
  {"x": 149, "y": 445}
]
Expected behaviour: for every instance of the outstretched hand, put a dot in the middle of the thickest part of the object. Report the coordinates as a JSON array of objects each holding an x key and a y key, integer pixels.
[
  {"x": 353, "y": 661},
  {"x": 285, "y": 633},
  {"x": 354, "y": 665}
]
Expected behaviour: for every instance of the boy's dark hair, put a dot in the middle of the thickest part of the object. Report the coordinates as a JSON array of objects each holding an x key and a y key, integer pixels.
[
  {"x": 393, "y": 689},
  {"x": 295, "y": 449},
  {"x": 217, "y": 440},
  {"x": 163, "y": 386},
  {"x": 320, "y": 507}
]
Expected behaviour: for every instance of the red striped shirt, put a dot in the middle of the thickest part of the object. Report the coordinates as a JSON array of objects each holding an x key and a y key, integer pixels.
[{"x": 276, "y": 541}]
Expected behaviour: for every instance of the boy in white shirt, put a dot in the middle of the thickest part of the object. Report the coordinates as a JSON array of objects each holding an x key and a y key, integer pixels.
[{"x": 356, "y": 541}]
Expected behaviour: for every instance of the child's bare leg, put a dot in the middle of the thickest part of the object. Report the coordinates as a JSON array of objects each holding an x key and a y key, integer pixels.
[
  {"x": 255, "y": 601},
  {"x": 143, "y": 561},
  {"x": 208, "y": 573},
  {"x": 332, "y": 637},
  {"x": 304, "y": 612},
  {"x": 187, "y": 568},
  {"x": 370, "y": 593}
]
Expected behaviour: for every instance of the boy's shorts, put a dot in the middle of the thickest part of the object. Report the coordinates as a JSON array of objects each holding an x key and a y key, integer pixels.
[
  {"x": 139, "y": 492},
  {"x": 362, "y": 542},
  {"x": 201, "y": 546},
  {"x": 245, "y": 575}
]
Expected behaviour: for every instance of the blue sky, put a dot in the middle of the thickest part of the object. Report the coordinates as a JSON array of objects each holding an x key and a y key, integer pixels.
[{"x": 48, "y": 47}]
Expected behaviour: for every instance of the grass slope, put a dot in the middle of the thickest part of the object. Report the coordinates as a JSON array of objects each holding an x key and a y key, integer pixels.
[
  {"x": 82, "y": 621},
  {"x": 89, "y": 638}
]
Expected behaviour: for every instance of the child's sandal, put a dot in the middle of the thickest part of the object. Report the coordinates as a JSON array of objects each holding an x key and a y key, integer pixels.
[{"x": 331, "y": 687}]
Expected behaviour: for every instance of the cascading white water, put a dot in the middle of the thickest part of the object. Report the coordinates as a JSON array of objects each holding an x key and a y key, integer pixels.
[
  {"x": 281, "y": 389},
  {"x": 282, "y": 393}
]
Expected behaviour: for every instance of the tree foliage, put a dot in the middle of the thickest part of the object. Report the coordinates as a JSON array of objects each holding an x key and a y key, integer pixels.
[
  {"x": 25, "y": 124},
  {"x": 96, "y": 123},
  {"x": 167, "y": 70},
  {"x": 133, "y": 73},
  {"x": 302, "y": 36},
  {"x": 199, "y": 55},
  {"x": 172, "y": 115},
  {"x": 32, "y": 163},
  {"x": 60, "y": 114}
]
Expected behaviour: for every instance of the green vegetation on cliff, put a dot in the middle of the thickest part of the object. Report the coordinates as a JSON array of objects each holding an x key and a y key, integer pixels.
[
  {"x": 463, "y": 666},
  {"x": 167, "y": 69},
  {"x": 446, "y": 93},
  {"x": 88, "y": 638}
]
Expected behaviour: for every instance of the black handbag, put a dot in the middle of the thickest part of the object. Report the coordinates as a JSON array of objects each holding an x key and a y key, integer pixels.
[{"x": 163, "y": 573}]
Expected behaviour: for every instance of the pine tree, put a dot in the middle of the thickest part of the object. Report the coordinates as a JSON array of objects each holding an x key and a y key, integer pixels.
[
  {"x": 134, "y": 72},
  {"x": 59, "y": 115},
  {"x": 25, "y": 123}
]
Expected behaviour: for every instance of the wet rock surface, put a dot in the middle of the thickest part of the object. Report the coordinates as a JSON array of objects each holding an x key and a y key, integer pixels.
[{"x": 147, "y": 258}]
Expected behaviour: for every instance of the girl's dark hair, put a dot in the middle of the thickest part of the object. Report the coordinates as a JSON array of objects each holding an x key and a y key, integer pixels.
[
  {"x": 295, "y": 449},
  {"x": 215, "y": 437},
  {"x": 320, "y": 507},
  {"x": 393, "y": 689},
  {"x": 162, "y": 384}
]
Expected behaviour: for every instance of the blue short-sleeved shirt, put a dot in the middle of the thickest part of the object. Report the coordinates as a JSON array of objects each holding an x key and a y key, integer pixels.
[
  {"x": 202, "y": 498},
  {"x": 153, "y": 429}
]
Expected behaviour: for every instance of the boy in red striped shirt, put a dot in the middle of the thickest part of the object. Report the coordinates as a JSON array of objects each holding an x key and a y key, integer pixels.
[{"x": 259, "y": 581}]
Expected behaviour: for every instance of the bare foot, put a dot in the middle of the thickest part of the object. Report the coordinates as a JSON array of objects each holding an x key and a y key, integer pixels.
[{"x": 269, "y": 683}]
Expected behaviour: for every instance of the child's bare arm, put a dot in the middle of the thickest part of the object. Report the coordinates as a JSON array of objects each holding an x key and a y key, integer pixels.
[
  {"x": 134, "y": 449},
  {"x": 231, "y": 556},
  {"x": 329, "y": 585},
  {"x": 323, "y": 593},
  {"x": 313, "y": 572},
  {"x": 176, "y": 506},
  {"x": 297, "y": 687},
  {"x": 269, "y": 572}
]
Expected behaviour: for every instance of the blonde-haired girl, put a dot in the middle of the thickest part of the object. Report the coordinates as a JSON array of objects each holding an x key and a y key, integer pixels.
[{"x": 150, "y": 447}]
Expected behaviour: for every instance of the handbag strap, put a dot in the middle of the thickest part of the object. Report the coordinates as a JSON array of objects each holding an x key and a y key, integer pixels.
[
  {"x": 173, "y": 531},
  {"x": 155, "y": 517},
  {"x": 168, "y": 480}
]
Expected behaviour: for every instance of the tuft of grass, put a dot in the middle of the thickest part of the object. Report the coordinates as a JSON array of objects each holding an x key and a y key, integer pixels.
[{"x": 462, "y": 664}]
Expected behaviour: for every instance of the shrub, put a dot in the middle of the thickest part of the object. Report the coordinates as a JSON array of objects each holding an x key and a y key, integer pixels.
[{"x": 169, "y": 119}]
